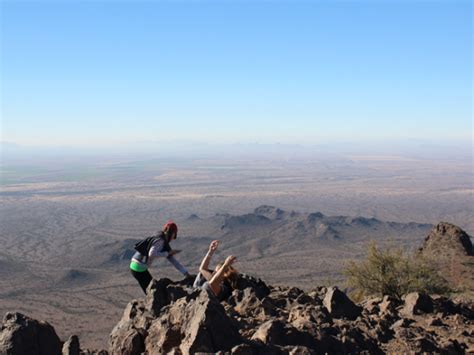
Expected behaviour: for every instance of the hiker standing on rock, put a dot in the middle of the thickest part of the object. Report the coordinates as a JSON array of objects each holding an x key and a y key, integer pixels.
[
  {"x": 151, "y": 248},
  {"x": 218, "y": 282}
]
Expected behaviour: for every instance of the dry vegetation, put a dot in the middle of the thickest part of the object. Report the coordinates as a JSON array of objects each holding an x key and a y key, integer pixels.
[{"x": 390, "y": 272}]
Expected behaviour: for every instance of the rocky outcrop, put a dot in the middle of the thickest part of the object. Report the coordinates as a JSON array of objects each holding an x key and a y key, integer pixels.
[
  {"x": 72, "y": 346},
  {"x": 21, "y": 335},
  {"x": 339, "y": 305},
  {"x": 447, "y": 238},
  {"x": 450, "y": 249},
  {"x": 258, "y": 318},
  {"x": 193, "y": 325}
]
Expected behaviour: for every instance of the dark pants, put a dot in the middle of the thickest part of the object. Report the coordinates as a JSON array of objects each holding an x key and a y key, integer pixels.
[{"x": 144, "y": 278}]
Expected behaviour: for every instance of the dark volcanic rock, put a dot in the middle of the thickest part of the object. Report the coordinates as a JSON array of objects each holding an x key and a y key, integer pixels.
[
  {"x": 246, "y": 303},
  {"x": 128, "y": 335},
  {"x": 276, "y": 332},
  {"x": 257, "y": 285},
  {"x": 199, "y": 325},
  {"x": 72, "y": 346},
  {"x": 339, "y": 305},
  {"x": 157, "y": 295},
  {"x": 21, "y": 335}
]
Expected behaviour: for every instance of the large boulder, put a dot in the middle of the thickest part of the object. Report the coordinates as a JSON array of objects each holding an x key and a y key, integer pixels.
[
  {"x": 257, "y": 285},
  {"x": 128, "y": 336},
  {"x": 22, "y": 335},
  {"x": 246, "y": 303},
  {"x": 308, "y": 317},
  {"x": 339, "y": 305},
  {"x": 277, "y": 332},
  {"x": 129, "y": 333},
  {"x": 72, "y": 346},
  {"x": 190, "y": 326},
  {"x": 130, "y": 342},
  {"x": 417, "y": 303}
]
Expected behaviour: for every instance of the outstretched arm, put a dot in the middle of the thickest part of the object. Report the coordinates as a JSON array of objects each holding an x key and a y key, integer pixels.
[
  {"x": 215, "y": 282},
  {"x": 204, "y": 267},
  {"x": 178, "y": 265}
]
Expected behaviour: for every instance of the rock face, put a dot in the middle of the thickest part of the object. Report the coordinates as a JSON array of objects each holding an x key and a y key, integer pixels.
[
  {"x": 21, "y": 335},
  {"x": 450, "y": 249}
]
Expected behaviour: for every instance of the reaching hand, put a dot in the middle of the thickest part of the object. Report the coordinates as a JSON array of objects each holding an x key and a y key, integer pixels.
[
  {"x": 213, "y": 246},
  {"x": 230, "y": 260}
]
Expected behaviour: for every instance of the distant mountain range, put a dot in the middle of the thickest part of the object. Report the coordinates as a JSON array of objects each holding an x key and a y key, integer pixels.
[{"x": 276, "y": 238}]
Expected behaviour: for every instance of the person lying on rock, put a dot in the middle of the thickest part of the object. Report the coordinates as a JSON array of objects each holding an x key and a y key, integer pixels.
[
  {"x": 218, "y": 282},
  {"x": 151, "y": 248}
]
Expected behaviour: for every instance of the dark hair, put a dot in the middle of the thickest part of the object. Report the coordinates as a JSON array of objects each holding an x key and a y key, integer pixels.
[{"x": 170, "y": 228}]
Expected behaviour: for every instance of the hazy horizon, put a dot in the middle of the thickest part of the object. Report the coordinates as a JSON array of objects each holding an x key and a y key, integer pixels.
[{"x": 414, "y": 149}]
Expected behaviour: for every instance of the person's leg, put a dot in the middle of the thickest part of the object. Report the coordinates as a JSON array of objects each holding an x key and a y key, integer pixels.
[
  {"x": 144, "y": 278},
  {"x": 198, "y": 281}
]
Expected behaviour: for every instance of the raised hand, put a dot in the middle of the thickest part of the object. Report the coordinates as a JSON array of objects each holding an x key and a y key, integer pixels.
[
  {"x": 230, "y": 260},
  {"x": 213, "y": 246}
]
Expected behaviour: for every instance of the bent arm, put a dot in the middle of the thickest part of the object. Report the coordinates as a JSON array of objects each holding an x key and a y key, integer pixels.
[
  {"x": 204, "y": 267},
  {"x": 205, "y": 262},
  {"x": 216, "y": 280}
]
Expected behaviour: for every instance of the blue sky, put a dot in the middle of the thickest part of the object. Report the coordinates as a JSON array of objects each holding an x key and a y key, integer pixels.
[{"x": 98, "y": 73}]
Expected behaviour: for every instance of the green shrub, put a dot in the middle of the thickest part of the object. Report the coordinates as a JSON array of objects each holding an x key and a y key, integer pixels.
[{"x": 390, "y": 272}]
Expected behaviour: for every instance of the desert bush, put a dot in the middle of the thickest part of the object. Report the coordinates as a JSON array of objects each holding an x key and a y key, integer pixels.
[{"x": 391, "y": 272}]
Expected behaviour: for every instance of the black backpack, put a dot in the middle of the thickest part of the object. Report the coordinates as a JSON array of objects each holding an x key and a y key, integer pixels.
[{"x": 143, "y": 246}]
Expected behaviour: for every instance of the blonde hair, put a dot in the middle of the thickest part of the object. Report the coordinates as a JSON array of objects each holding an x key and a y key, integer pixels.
[{"x": 230, "y": 274}]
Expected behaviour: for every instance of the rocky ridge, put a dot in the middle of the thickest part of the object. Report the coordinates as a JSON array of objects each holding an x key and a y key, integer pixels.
[{"x": 263, "y": 319}]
